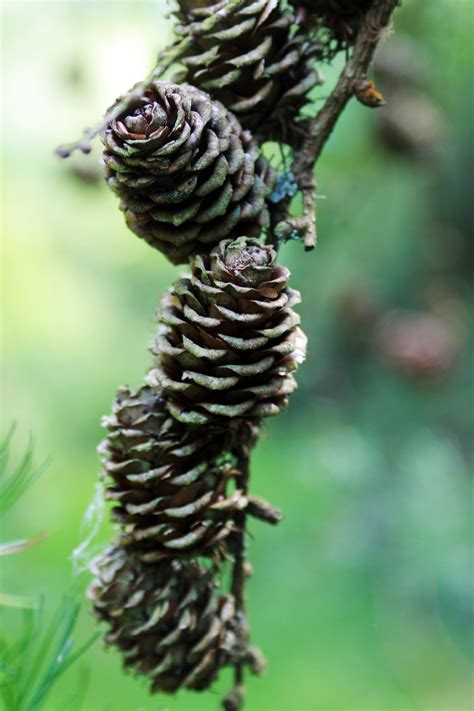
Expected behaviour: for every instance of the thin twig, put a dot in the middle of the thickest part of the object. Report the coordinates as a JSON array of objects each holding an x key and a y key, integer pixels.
[
  {"x": 320, "y": 127},
  {"x": 317, "y": 130},
  {"x": 238, "y": 572},
  {"x": 84, "y": 143},
  {"x": 244, "y": 438},
  {"x": 165, "y": 60}
]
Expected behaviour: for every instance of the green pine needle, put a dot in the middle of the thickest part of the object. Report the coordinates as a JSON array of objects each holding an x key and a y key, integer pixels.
[
  {"x": 37, "y": 655},
  {"x": 31, "y": 667},
  {"x": 13, "y": 485}
]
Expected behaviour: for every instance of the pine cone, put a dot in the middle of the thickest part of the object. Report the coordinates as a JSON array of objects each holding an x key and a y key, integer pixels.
[
  {"x": 166, "y": 618},
  {"x": 336, "y": 22},
  {"x": 229, "y": 338},
  {"x": 186, "y": 173},
  {"x": 170, "y": 482},
  {"x": 256, "y": 61},
  {"x": 419, "y": 345}
]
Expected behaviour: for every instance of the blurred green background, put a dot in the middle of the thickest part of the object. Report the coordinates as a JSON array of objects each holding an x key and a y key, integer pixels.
[{"x": 362, "y": 597}]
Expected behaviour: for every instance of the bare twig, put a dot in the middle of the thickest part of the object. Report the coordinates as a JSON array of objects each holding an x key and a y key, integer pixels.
[
  {"x": 238, "y": 573},
  {"x": 316, "y": 131},
  {"x": 355, "y": 70},
  {"x": 84, "y": 143},
  {"x": 244, "y": 438},
  {"x": 165, "y": 60}
]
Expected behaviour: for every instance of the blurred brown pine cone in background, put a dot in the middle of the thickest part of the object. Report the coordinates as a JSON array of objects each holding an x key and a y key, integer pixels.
[
  {"x": 170, "y": 483},
  {"x": 229, "y": 338},
  {"x": 257, "y": 61},
  {"x": 186, "y": 173},
  {"x": 412, "y": 124},
  {"x": 419, "y": 345},
  {"x": 357, "y": 310},
  {"x": 403, "y": 62},
  {"x": 166, "y": 619}
]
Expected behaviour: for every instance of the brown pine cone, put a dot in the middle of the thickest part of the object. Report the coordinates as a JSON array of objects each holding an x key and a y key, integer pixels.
[
  {"x": 169, "y": 482},
  {"x": 185, "y": 172},
  {"x": 229, "y": 339},
  {"x": 418, "y": 345},
  {"x": 257, "y": 61},
  {"x": 166, "y": 618}
]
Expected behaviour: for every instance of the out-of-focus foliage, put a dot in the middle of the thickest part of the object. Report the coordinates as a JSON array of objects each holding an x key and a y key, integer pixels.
[
  {"x": 33, "y": 656},
  {"x": 14, "y": 481},
  {"x": 41, "y": 652},
  {"x": 361, "y": 597}
]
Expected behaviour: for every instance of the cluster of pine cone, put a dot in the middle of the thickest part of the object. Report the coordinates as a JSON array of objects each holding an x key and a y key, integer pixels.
[
  {"x": 184, "y": 159},
  {"x": 224, "y": 354}
]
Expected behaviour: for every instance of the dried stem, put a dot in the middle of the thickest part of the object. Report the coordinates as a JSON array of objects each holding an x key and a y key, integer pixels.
[
  {"x": 165, "y": 60},
  {"x": 84, "y": 143},
  {"x": 245, "y": 435},
  {"x": 317, "y": 130},
  {"x": 238, "y": 573}
]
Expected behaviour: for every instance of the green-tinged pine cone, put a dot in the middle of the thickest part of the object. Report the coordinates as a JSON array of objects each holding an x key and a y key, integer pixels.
[
  {"x": 256, "y": 60},
  {"x": 229, "y": 339},
  {"x": 336, "y": 22},
  {"x": 166, "y": 618},
  {"x": 171, "y": 483},
  {"x": 186, "y": 173}
]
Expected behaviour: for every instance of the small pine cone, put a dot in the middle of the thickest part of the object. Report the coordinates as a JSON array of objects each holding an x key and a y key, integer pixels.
[
  {"x": 229, "y": 339},
  {"x": 336, "y": 22},
  {"x": 184, "y": 170},
  {"x": 166, "y": 618},
  {"x": 418, "y": 345},
  {"x": 169, "y": 481},
  {"x": 256, "y": 61}
]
